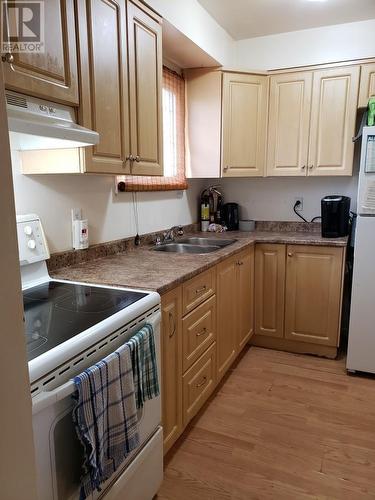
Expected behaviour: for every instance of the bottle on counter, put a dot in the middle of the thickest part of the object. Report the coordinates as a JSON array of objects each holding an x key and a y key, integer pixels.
[{"x": 205, "y": 210}]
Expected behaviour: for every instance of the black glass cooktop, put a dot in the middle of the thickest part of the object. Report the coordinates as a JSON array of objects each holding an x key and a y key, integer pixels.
[{"x": 56, "y": 312}]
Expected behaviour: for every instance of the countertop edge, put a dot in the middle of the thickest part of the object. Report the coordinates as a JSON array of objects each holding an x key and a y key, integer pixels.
[{"x": 249, "y": 240}]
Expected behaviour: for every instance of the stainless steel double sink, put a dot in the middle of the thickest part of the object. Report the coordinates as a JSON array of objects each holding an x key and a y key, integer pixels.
[{"x": 194, "y": 245}]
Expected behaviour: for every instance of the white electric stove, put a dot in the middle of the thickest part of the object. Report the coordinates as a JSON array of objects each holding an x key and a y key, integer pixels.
[{"x": 69, "y": 326}]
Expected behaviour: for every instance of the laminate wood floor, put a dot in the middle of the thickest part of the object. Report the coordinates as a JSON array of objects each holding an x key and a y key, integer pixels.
[{"x": 281, "y": 426}]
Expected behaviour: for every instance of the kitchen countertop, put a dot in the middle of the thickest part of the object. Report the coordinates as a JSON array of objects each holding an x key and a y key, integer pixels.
[{"x": 146, "y": 269}]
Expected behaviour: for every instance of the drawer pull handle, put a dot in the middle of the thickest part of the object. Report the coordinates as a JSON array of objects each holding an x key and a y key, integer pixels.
[
  {"x": 201, "y": 289},
  {"x": 203, "y": 332},
  {"x": 171, "y": 318},
  {"x": 202, "y": 382}
]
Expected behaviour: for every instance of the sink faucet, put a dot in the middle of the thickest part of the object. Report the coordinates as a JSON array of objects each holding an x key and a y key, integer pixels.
[{"x": 169, "y": 235}]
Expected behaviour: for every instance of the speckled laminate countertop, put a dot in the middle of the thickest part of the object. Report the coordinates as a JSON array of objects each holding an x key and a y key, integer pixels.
[{"x": 161, "y": 271}]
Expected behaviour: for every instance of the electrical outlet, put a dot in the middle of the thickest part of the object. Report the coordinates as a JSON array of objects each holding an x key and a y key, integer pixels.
[{"x": 299, "y": 207}]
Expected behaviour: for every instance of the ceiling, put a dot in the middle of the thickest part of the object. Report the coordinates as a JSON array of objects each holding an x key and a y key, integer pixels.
[{"x": 251, "y": 18}]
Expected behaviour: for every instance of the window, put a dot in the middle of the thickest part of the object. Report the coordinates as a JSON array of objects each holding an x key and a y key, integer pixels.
[{"x": 173, "y": 140}]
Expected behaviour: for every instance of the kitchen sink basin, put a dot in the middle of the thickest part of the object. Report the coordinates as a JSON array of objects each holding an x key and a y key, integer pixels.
[
  {"x": 186, "y": 248},
  {"x": 207, "y": 241}
]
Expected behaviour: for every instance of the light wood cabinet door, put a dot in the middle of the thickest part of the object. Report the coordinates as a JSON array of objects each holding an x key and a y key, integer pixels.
[
  {"x": 245, "y": 294},
  {"x": 145, "y": 86},
  {"x": 53, "y": 74},
  {"x": 226, "y": 302},
  {"x": 367, "y": 85},
  {"x": 198, "y": 383},
  {"x": 333, "y": 117},
  {"x": 171, "y": 328},
  {"x": 313, "y": 294},
  {"x": 289, "y": 123},
  {"x": 104, "y": 101},
  {"x": 198, "y": 289},
  {"x": 198, "y": 332},
  {"x": 269, "y": 289},
  {"x": 244, "y": 124}
]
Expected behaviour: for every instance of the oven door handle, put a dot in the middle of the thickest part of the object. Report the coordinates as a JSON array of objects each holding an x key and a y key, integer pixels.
[{"x": 48, "y": 398}]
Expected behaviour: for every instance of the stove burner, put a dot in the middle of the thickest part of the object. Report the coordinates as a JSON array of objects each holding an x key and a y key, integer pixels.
[
  {"x": 55, "y": 311},
  {"x": 88, "y": 301}
]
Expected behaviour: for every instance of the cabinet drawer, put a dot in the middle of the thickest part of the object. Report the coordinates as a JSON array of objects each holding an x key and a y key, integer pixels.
[
  {"x": 198, "y": 331},
  {"x": 198, "y": 383},
  {"x": 198, "y": 289}
]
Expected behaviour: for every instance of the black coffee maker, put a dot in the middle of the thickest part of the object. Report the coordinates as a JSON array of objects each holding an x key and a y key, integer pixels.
[
  {"x": 335, "y": 216},
  {"x": 231, "y": 216}
]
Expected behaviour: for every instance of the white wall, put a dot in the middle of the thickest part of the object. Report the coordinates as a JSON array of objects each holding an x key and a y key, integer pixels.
[
  {"x": 273, "y": 198},
  {"x": 189, "y": 17},
  {"x": 110, "y": 216},
  {"x": 305, "y": 47}
]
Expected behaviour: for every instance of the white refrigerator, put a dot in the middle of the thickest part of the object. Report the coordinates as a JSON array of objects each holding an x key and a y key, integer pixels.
[{"x": 361, "y": 347}]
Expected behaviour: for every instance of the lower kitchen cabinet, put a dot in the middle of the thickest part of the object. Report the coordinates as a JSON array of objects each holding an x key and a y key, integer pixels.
[
  {"x": 269, "y": 289},
  {"x": 226, "y": 314},
  {"x": 298, "y": 296},
  {"x": 235, "y": 303},
  {"x": 245, "y": 293},
  {"x": 198, "y": 332},
  {"x": 313, "y": 294},
  {"x": 198, "y": 383},
  {"x": 171, "y": 328}
]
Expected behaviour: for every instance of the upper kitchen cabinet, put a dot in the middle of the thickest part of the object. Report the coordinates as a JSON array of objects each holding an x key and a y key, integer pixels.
[
  {"x": 244, "y": 124},
  {"x": 203, "y": 122},
  {"x": 121, "y": 68},
  {"x": 367, "y": 86},
  {"x": 53, "y": 73},
  {"x": 312, "y": 117},
  {"x": 145, "y": 88},
  {"x": 289, "y": 122},
  {"x": 104, "y": 84},
  {"x": 226, "y": 123},
  {"x": 333, "y": 118}
]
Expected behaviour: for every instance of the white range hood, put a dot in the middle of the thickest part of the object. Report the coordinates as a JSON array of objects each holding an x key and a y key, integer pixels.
[{"x": 35, "y": 124}]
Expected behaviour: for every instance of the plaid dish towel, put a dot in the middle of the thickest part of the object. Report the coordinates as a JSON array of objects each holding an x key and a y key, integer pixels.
[
  {"x": 105, "y": 417},
  {"x": 145, "y": 371}
]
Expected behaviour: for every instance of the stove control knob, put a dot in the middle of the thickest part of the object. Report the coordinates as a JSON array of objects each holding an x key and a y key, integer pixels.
[
  {"x": 28, "y": 230},
  {"x": 31, "y": 244}
]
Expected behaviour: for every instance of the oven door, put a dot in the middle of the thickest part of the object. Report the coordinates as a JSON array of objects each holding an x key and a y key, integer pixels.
[{"x": 59, "y": 454}]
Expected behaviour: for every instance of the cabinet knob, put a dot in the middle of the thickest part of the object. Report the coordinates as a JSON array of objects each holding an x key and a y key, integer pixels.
[
  {"x": 202, "y": 382},
  {"x": 130, "y": 158},
  {"x": 303, "y": 167},
  {"x": 137, "y": 158},
  {"x": 201, "y": 289},
  {"x": 202, "y": 332},
  {"x": 8, "y": 57},
  {"x": 225, "y": 169},
  {"x": 290, "y": 254},
  {"x": 311, "y": 167}
]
